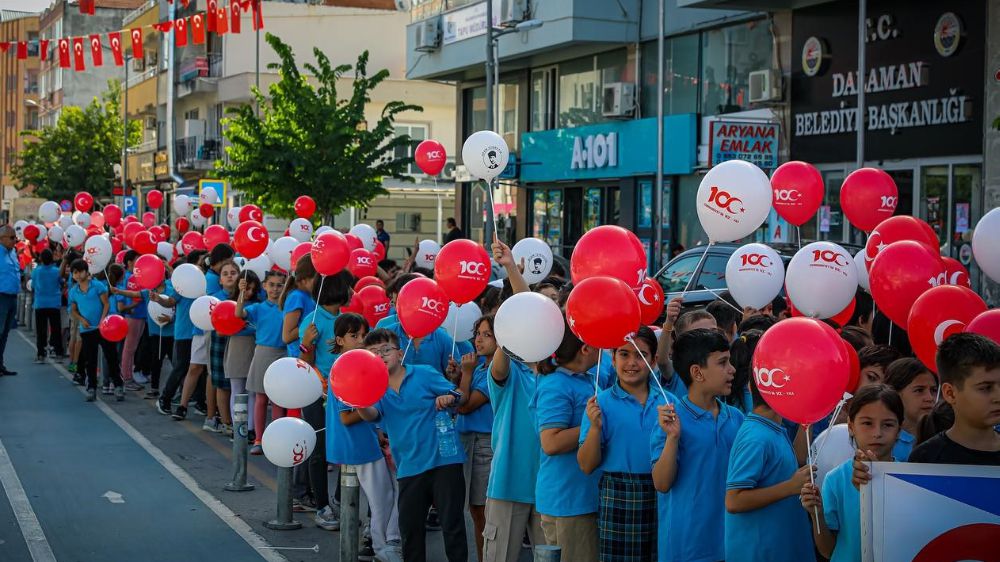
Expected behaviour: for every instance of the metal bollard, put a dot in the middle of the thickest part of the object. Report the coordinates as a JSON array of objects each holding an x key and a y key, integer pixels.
[
  {"x": 239, "y": 482},
  {"x": 283, "y": 521},
  {"x": 350, "y": 497},
  {"x": 547, "y": 553}
]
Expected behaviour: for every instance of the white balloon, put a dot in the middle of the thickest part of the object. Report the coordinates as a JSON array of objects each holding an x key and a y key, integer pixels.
[
  {"x": 28, "y": 285},
  {"x": 165, "y": 250},
  {"x": 485, "y": 154},
  {"x": 233, "y": 217},
  {"x": 56, "y": 233},
  {"x": 197, "y": 219},
  {"x": 822, "y": 279},
  {"x": 754, "y": 275},
  {"x": 301, "y": 230},
  {"x": 208, "y": 195},
  {"x": 179, "y": 247},
  {"x": 367, "y": 235},
  {"x": 82, "y": 219},
  {"x": 49, "y": 211},
  {"x": 287, "y": 442},
  {"x": 65, "y": 222},
  {"x": 19, "y": 229},
  {"x": 201, "y": 311},
  {"x": 321, "y": 230},
  {"x": 189, "y": 280},
  {"x": 182, "y": 205},
  {"x": 156, "y": 310},
  {"x": 427, "y": 251},
  {"x": 859, "y": 263},
  {"x": 733, "y": 200},
  {"x": 259, "y": 265},
  {"x": 281, "y": 252},
  {"x": 465, "y": 316},
  {"x": 42, "y": 232},
  {"x": 97, "y": 253},
  {"x": 986, "y": 244},
  {"x": 292, "y": 383},
  {"x": 537, "y": 257},
  {"x": 529, "y": 326},
  {"x": 75, "y": 235}
]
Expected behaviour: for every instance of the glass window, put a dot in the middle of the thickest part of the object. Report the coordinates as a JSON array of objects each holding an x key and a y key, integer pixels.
[
  {"x": 967, "y": 180},
  {"x": 507, "y": 116},
  {"x": 591, "y": 208},
  {"x": 688, "y": 228},
  {"x": 713, "y": 273},
  {"x": 675, "y": 278},
  {"x": 554, "y": 233},
  {"x": 934, "y": 203},
  {"x": 729, "y": 55},
  {"x": 644, "y": 208},
  {"x": 542, "y": 99},
  {"x": 474, "y": 101},
  {"x": 831, "y": 218},
  {"x": 417, "y": 133},
  {"x": 580, "y": 84},
  {"x": 680, "y": 76}
]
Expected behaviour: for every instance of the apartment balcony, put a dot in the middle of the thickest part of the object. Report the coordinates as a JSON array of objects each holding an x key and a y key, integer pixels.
[
  {"x": 199, "y": 75},
  {"x": 197, "y": 153}
]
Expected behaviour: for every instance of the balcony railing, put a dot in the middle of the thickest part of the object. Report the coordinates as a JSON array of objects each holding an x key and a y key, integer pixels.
[
  {"x": 134, "y": 14},
  {"x": 135, "y": 80},
  {"x": 195, "y": 152},
  {"x": 142, "y": 147}
]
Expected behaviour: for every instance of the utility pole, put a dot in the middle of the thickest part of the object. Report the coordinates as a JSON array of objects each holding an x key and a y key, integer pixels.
[
  {"x": 658, "y": 191},
  {"x": 490, "y": 69},
  {"x": 860, "y": 80}
]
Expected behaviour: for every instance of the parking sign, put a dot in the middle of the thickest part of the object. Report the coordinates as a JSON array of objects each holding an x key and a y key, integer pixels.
[{"x": 130, "y": 205}]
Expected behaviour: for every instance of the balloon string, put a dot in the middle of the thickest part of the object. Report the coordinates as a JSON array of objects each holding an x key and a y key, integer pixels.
[
  {"x": 652, "y": 373},
  {"x": 833, "y": 420},
  {"x": 408, "y": 342},
  {"x": 695, "y": 271},
  {"x": 812, "y": 478},
  {"x": 798, "y": 233},
  {"x": 322, "y": 278},
  {"x": 597, "y": 373},
  {"x": 489, "y": 191},
  {"x": 890, "y": 333},
  {"x": 239, "y": 297},
  {"x": 454, "y": 335}
]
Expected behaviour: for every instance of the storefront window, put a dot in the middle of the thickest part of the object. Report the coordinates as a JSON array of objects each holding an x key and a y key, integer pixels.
[
  {"x": 729, "y": 55},
  {"x": 591, "y": 208},
  {"x": 689, "y": 231},
  {"x": 680, "y": 76},
  {"x": 934, "y": 203},
  {"x": 967, "y": 180},
  {"x": 830, "y": 219},
  {"x": 507, "y": 113},
  {"x": 543, "y": 87},
  {"x": 580, "y": 84},
  {"x": 474, "y": 108}
]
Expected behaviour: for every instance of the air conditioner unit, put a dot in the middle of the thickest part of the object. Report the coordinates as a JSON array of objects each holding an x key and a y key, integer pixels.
[
  {"x": 765, "y": 85},
  {"x": 428, "y": 35},
  {"x": 618, "y": 99},
  {"x": 513, "y": 12},
  {"x": 403, "y": 5},
  {"x": 149, "y": 122},
  {"x": 138, "y": 65}
]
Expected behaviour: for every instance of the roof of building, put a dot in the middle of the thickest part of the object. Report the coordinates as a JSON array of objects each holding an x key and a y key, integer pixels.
[
  {"x": 8, "y": 15},
  {"x": 119, "y": 4}
]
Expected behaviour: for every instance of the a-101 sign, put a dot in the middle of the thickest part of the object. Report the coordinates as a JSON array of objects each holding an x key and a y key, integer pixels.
[{"x": 595, "y": 151}]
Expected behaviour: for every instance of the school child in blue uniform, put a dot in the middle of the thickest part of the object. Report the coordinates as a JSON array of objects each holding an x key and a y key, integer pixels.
[
  {"x": 296, "y": 302},
  {"x": 918, "y": 389},
  {"x": 46, "y": 286},
  {"x": 88, "y": 303}
]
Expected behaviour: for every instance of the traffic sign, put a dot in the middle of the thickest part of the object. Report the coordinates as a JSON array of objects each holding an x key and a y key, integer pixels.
[{"x": 130, "y": 205}]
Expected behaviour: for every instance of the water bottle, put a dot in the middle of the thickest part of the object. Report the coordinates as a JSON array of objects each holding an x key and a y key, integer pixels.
[{"x": 447, "y": 442}]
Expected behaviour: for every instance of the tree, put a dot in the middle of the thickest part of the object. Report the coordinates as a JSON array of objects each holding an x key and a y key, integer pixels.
[
  {"x": 77, "y": 154},
  {"x": 306, "y": 140}
]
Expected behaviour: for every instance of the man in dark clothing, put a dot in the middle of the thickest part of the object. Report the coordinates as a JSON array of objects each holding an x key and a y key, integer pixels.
[
  {"x": 382, "y": 235},
  {"x": 454, "y": 233}
]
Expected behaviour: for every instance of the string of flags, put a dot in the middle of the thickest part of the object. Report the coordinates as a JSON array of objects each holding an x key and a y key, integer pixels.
[{"x": 218, "y": 19}]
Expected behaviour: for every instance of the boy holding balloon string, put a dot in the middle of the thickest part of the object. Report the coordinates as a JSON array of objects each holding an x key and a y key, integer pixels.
[{"x": 88, "y": 304}]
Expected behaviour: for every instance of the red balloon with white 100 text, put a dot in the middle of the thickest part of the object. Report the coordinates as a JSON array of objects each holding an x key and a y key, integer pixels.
[
  {"x": 421, "y": 306},
  {"x": 359, "y": 378},
  {"x": 462, "y": 269}
]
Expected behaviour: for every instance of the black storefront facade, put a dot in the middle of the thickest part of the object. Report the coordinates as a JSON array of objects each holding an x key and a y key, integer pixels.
[{"x": 924, "y": 89}]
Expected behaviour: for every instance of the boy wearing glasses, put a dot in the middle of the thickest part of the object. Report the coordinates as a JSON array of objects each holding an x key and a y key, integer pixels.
[{"x": 417, "y": 412}]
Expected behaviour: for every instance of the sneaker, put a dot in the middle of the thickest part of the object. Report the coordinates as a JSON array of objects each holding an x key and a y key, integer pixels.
[
  {"x": 71, "y": 367},
  {"x": 152, "y": 394},
  {"x": 39, "y": 360},
  {"x": 78, "y": 379},
  {"x": 227, "y": 430},
  {"x": 302, "y": 505},
  {"x": 140, "y": 378},
  {"x": 133, "y": 386},
  {"x": 257, "y": 449},
  {"x": 327, "y": 520},
  {"x": 433, "y": 521},
  {"x": 91, "y": 394},
  {"x": 107, "y": 390},
  {"x": 211, "y": 424},
  {"x": 366, "y": 553},
  {"x": 392, "y": 552},
  {"x": 119, "y": 394},
  {"x": 180, "y": 413},
  {"x": 162, "y": 408},
  {"x": 200, "y": 409}
]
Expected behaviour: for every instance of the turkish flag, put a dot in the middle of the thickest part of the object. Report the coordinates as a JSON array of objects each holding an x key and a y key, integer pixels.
[
  {"x": 137, "y": 43},
  {"x": 222, "y": 20},
  {"x": 258, "y": 15},
  {"x": 4, "y": 46},
  {"x": 22, "y": 50},
  {"x": 95, "y": 50},
  {"x": 235, "y": 12},
  {"x": 164, "y": 26},
  {"x": 185, "y": 3},
  {"x": 213, "y": 8},
  {"x": 180, "y": 32},
  {"x": 198, "y": 28},
  {"x": 43, "y": 48},
  {"x": 78, "y": 64},
  {"x": 64, "y": 53},
  {"x": 87, "y": 6},
  {"x": 115, "y": 39}
]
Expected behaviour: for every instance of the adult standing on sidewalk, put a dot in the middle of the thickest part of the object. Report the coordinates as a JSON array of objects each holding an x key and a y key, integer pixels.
[
  {"x": 382, "y": 235},
  {"x": 10, "y": 285},
  {"x": 454, "y": 232}
]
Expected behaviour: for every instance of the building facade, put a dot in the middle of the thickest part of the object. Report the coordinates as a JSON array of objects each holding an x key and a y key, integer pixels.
[{"x": 18, "y": 96}]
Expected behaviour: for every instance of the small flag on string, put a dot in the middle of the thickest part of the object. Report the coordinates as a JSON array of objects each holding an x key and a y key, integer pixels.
[
  {"x": 258, "y": 15},
  {"x": 180, "y": 32},
  {"x": 213, "y": 8},
  {"x": 164, "y": 26},
  {"x": 137, "y": 43},
  {"x": 222, "y": 20},
  {"x": 235, "y": 13},
  {"x": 115, "y": 39},
  {"x": 198, "y": 28},
  {"x": 78, "y": 63},
  {"x": 95, "y": 50},
  {"x": 64, "y": 53},
  {"x": 87, "y": 7},
  {"x": 43, "y": 48},
  {"x": 22, "y": 50},
  {"x": 4, "y": 46}
]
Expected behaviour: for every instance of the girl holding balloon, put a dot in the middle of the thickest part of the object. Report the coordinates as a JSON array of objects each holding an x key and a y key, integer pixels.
[
  {"x": 218, "y": 382},
  {"x": 240, "y": 349}
]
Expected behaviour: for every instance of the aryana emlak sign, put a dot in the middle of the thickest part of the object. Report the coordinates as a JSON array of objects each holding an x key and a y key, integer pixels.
[{"x": 756, "y": 143}]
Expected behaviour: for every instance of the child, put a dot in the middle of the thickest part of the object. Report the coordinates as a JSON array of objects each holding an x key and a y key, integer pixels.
[
  {"x": 690, "y": 450},
  {"x": 88, "y": 301},
  {"x": 425, "y": 447},
  {"x": 673, "y": 327},
  {"x": 763, "y": 518},
  {"x": 46, "y": 286},
  {"x": 218, "y": 383},
  {"x": 741, "y": 355},
  {"x": 475, "y": 422},
  {"x": 874, "y": 360},
  {"x": 296, "y": 302},
  {"x": 969, "y": 367},
  {"x": 239, "y": 350},
  {"x": 918, "y": 388},
  {"x": 183, "y": 334},
  {"x": 198, "y": 362},
  {"x": 267, "y": 320},
  {"x": 613, "y": 439},
  {"x": 160, "y": 344},
  {"x": 875, "y": 415},
  {"x": 133, "y": 308},
  {"x": 74, "y": 330}
]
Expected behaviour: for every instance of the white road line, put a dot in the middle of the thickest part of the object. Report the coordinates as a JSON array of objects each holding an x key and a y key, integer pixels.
[
  {"x": 220, "y": 509},
  {"x": 31, "y": 530}
]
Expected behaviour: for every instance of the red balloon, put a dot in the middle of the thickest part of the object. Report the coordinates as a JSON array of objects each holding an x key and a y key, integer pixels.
[
  {"x": 379, "y": 251},
  {"x": 130, "y": 219},
  {"x": 895, "y": 229},
  {"x": 154, "y": 199},
  {"x": 902, "y": 272},
  {"x": 301, "y": 250},
  {"x": 353, "y": 242},
  {"x": 367, "y": 281},
  {"x": 986, "y": 324},
  {"x": 355, "y": 305},
  {"x": 956, "y": 272},
  {"x": 112, "y": 215},
  {"x": 31, "y": 232},
  {"x": 97, "y": 219},
  {"x": 192, "y": 241},
  {"x": 305, "y": 207},
  {"x": 83, "y": 202},
  {"x": 94, "y": 231},
  {"x": 214, "y": 235},
  {"x": 120, "y": 256},
  {"x": 182, "y": 224},
  {"x": 250, "y": 239},
  {"x": 329, "y": 253},
  {"x": 801, "y": 368},
  {"x": 610, "y": 251},
  {"x": 462, "y": 269},
  {"x": 359, "y": 378},
  {"x": 361, "y": 263},
  {"x": 421, "y": 306},
  {"x": 430, "y": 157},
  {"x": 868, "y": 196},
  {"x": 206, "y": 210},
  {"x": 144, "y": 242},
  {"x": 158, "y": 234},
  {"x": 251, "y": 213},
  {"x": 148, "y": 219},
  {"x": 375, "y": 303},
  {"x": 166, "y": 231},
  {"x": 117, "y": 243},
  {"x": 937, "y": 314},
  {"x": 224, "y": 319},
  {"x": 797, "y": 189},
  {"x": 650, "y": 296},
  {"x": 113, "y": 327},
  {"x": 855, "y": 377},
  {"x": 844, "y": 316},
  {"x": 129, "y": 232},
  {"x": 603, "y": 311},
  {"x": 148, "y": 271}
]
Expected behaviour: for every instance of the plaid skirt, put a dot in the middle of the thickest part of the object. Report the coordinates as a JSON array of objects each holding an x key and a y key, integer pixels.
[
  {"x": 626, "y": 519},
  {"x": 217, "y": 360}
]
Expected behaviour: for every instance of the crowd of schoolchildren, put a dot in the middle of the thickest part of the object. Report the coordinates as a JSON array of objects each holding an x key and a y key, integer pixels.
[{"x": 676, "y": 458}]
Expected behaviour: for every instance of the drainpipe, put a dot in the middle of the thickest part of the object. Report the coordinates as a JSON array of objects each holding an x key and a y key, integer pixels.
[{"x": 171, "y": 86}]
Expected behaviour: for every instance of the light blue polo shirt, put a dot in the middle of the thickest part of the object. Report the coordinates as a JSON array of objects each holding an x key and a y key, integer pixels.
[
  {"x": 408, "y": 419},
  {"x": 88, "y": 303},
  {"x": 347, "y": 444},
  {"x": 47, "y": 287},
  {"x": 702, "y": 467},
  {"x": 479, "y": 420},
  {"x": 562, "y": 489},
  {"x": 626, "y": 427},
  {"x": 605, "y": 369},
  {"x": 780, "y": 532},
  {"x": 674, "y": 385},
  {"x": 323, "y": 357},
  {"x": 266, "y": 318},
  {"x": 389, "y": 321},
  {"x": 434, "y": 350},
  {"x": 167, "y": 330},
  {"x": 140, "y": 310},
  {"x": 183, "y": 327},
  {"x": 842, "y": 511},
  {"x": 10, "y": 273},
  {"x": 516, "y": 449},
  {"x": 904, "y": 446},
  {"x": 298, "y": 300},
  {"x": 212, "y": 284}
]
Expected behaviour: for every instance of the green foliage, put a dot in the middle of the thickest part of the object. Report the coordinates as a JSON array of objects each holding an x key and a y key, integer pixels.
[
  {"x": 77, "y": 154},
  {"x": 308, "y": 141}
]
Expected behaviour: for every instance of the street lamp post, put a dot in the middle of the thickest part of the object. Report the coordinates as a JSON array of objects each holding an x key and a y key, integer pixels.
[{"x": 658, "y": 193}]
